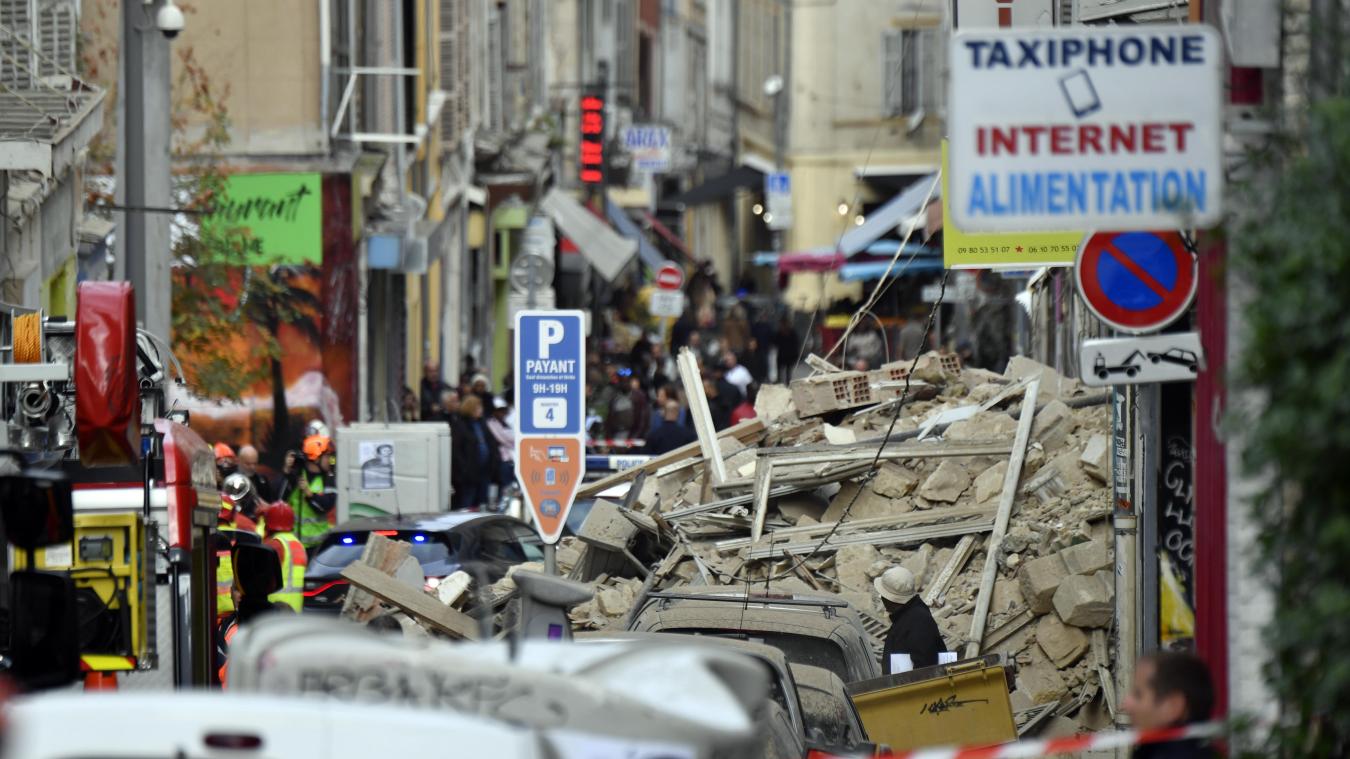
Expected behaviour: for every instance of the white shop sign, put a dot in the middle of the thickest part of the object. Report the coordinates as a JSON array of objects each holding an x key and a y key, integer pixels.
[{"x": 1086, "y": 128}]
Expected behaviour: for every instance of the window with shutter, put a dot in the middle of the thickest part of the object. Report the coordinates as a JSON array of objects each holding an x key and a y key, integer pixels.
[
  {"x": 891, "y": 81},
  {"x": 910, "y": 82},
  {"x": 17, "y": 62},
  {"x": 56, "y": 38}
]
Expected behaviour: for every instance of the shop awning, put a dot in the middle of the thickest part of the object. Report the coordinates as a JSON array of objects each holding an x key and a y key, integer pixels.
[
  {"x": 905, "y": 267},
  {"x": 720, "y": 187},
  {"x": 651, "y": 257},
  {"x": 606, "y": 251},
  {"x": 667, "y": 235},
  {"x": 827, "y": 259},
  {"x": 881, "y": 221}
]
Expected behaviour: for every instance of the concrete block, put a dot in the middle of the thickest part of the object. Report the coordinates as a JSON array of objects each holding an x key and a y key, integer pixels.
[
  {"x": 773, "y": 402},
  {"x": 990, "y": 483},
  {"x": 1053, "y": 384},
  {"x": 946, "y": 483},
  {"x": 610, "y": 602},
  {"x": 794, "y": 507},
  {"x": 1041, "y": 682},
  {"x": 1086, "y": 600},
  {"x": 988, "y": 425},
  {"x": 1039, "y": 579},
  {"x": 918, "y": 562},
  {"x": 1086, "y": 558},
  {"x": 839, "y": 435},
  {"x": 1007, "y": 596},
  {"x": 894, "y": 481},
  {"x": 1096, "y": 458},
  {"x": 1053, "y": 424},
  {"x": 851, "y": 564},
  {"x": 1062, "y": 644}
]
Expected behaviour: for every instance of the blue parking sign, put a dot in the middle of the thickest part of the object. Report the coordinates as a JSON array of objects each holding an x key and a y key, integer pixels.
[{"x": 550, "y": 373}]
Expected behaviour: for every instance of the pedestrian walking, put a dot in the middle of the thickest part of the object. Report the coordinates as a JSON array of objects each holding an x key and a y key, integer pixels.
[
  {"x": 432, "y": 387},
  {"x": 1170, "y": 689},
  {"x": 787, "y": 346},
  {"x": 671, "y": 433},
  {"x": 475, "y": 456},
  {"x": 914, "y": 633},
  {"x": 505, "y": 439}
]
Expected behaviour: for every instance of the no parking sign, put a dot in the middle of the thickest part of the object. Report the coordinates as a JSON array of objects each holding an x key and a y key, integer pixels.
[{"x": 1137, "y": 282}]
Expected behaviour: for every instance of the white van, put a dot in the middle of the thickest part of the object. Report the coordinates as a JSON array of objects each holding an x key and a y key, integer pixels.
[{"x": 205, "y": 725}]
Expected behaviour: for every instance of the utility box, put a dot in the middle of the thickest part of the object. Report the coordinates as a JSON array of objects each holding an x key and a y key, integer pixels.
[
  {"x": 109, "y": 563},
  {"x": 390, "y": 469}
]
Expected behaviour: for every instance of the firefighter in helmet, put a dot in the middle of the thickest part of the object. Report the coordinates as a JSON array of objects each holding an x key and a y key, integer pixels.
[{"x": 279, "y": 526}]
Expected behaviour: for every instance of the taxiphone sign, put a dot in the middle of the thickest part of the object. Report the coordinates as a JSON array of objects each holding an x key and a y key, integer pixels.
[
  {"x": 550, "y": 408},
  {"x": 1083, "y": 128}
]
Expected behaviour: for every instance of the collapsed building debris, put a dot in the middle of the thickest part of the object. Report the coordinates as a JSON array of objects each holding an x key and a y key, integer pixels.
[
  {"x": 1000, "y": 513},
  {"x": 991, "y": 489}
]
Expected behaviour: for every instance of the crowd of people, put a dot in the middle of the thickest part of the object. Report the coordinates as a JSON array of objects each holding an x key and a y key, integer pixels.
[{"x": 482, "y": 439}]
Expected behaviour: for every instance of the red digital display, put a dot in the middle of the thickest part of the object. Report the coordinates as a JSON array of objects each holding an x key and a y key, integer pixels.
[{"x": 591, "y": 161}]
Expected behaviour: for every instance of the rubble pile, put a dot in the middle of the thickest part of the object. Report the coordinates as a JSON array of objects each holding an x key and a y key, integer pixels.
[{"x": 803, "y": 470}]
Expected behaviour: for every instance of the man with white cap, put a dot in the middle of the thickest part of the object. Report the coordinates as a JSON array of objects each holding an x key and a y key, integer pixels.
[{"x": 913, "y": 631}]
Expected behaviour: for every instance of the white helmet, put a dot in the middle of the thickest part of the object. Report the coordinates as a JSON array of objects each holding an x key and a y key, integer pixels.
[
  {"x": 317, "y": 427},
  {"x": 237, "y": 487}
]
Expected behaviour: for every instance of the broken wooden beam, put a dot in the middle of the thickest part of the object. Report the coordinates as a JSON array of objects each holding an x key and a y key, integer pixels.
[
  {"x": 698, "y": 410},
  {"x": 960, "y": 555},
  {"x": 411, "y": 601},
  {"x": 748, "y": 430},
  {"x": 1005, "y": 504},
  {"x": 911, "y": 536},
  {"x": 909, "y": 519}
]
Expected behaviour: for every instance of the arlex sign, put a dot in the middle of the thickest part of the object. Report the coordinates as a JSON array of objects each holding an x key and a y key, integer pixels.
[
  {"x": 550, "y": 389},
  {"x": 1086, "y": 128}
]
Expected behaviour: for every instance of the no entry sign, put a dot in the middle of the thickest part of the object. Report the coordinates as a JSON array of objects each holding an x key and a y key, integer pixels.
[
  {"x": 1086, "y": 128},
  {"x": 669, "y": 277},
  {"x": 1136, "y": 281}
]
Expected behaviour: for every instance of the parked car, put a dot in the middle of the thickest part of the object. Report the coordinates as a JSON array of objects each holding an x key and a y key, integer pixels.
[
  {"x": 442, "y": 543},
  {"x": 819, "y": 629},
  {"x": 831, "y": 721}
]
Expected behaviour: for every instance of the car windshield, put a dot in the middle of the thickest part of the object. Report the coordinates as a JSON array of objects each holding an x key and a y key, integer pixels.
[
  {"x": 341, "y": 549},
  {"x": 797, "y": 649}
]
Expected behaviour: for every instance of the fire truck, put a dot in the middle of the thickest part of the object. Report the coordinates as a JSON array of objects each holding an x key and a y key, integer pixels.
[{"x": 108, "y": 501}]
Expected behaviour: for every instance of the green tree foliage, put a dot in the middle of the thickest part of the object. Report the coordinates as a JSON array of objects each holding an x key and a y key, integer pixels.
[{"x": 1296, "y": 257}]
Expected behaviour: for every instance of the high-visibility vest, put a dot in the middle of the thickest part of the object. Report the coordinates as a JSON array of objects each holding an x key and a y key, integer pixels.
[
  {"x": 229, "y": 638},
  {"x": 224, "y": 582},
  {"x": 293, "y": 563},
  {"x": 312, "y": 524}
]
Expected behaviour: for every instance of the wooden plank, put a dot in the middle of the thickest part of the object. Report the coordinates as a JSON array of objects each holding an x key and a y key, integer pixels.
[
  {"x": 955, "y": 564},
  {"x": 744, "y": 432},
  {"x": 820, "y": 364},
  {"x": 413, "y": 602},
  {"x": 888, "y": 537},
  {"x": 703, "y": 421},
  {"x": 1005, "y": 504},
  {"x": 935, "y": 451},
  {"x": 909, "y": 519},
  {"x": 1007, "y": 629},
  {"x": 763, "y": 480}
]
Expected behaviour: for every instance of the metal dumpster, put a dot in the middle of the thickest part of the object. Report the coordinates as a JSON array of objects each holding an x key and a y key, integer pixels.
[{"x": 963, "y": 703}]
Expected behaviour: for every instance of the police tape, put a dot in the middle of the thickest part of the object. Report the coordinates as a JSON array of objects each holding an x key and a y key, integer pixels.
[
  {"x": 607, "y": 443},
  {"x": 1071, "y": 745}
]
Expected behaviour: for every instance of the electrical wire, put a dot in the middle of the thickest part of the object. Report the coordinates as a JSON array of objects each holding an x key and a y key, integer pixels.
[
  {"x": 866, "y": 477},
  {"x": 847, "y": 221}
]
